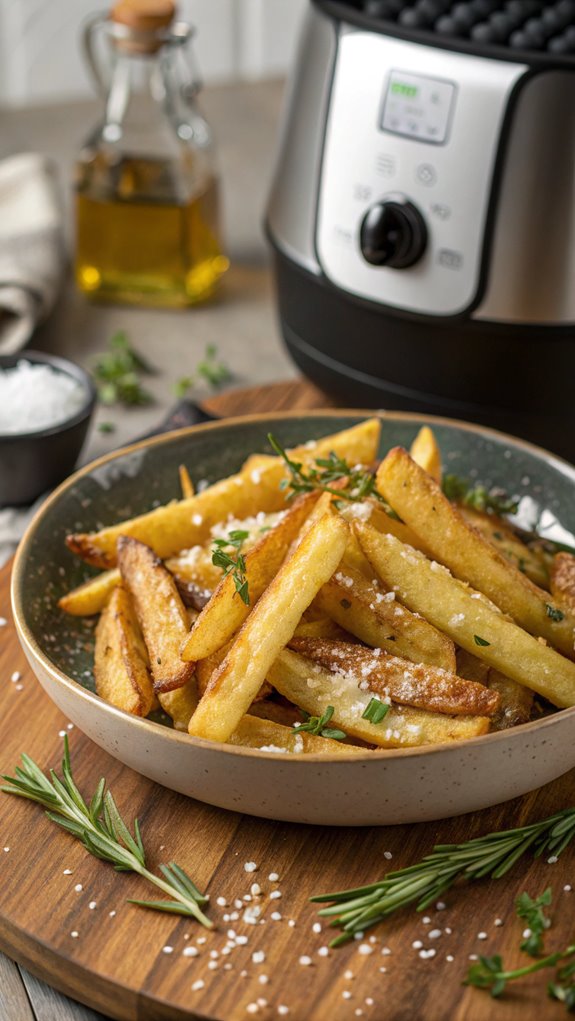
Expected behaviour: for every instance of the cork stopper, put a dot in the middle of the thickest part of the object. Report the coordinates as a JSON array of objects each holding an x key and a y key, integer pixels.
[{"x": 144, "y": 17}]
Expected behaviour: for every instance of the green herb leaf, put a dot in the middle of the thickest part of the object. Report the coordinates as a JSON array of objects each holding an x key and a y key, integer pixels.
[
  {"x": 117, "y": 371},
  {"x": 477, "y": 496},
  {"x": 209, "y": 369},
  {"x": 375, "y": 711},
  {"x": 103, "y": 832},
  {"x": 233, "y": 563},
  {"x": 553, "y": 612},
  {"x": 106, "y": 427},
  {"x": 480, "y": 641},
  {"x": 533, "y": 914},
  {"x": 318, "y": 725}
]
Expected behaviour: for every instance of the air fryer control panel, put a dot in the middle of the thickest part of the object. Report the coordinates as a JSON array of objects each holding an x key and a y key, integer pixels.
[{"x": 412, "y": 137}]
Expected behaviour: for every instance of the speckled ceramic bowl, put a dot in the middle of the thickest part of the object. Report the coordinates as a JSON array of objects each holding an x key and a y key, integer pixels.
[{"x": 377, "y": 788}]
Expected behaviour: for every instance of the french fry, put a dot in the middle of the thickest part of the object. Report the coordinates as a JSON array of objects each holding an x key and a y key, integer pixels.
[
  {"x": 254, "y": 732},
  {"x": 516, "y": 701},
  {"x": 186, "y": 523},
  {"x": 278, "y": 712},
  {"x": 121, "y": 665},
  {"x": 186, "y": 484},
  {"x": 162, "y": 615},
  {"x": 403, "y": 727},
  {"x": 378, "y": 619},
  {"x": 498, "y": 532},
  {"x": 268, "y": 628},
  {"x": 425, "y": 452},
  {"x": 470, "y": 667},
  {"x": 398, "y": 680},
  {"x": 563, "y": 578},
  {"x": 206, "y": 667},
  {"x": 180, "y": 704},
  {"x": 419, "y": 501},
  {"x": 92, "y": 596},
  {"x": 428, "y": 588},
  {"x": 226, "y": 612},
  {"x": 324, "y": 627}
]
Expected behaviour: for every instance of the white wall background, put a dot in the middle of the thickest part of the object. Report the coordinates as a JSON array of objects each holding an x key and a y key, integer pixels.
[{"x": 41, "y": 59}]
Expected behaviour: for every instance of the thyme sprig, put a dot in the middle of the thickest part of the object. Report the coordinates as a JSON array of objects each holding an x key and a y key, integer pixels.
[
  {"x": 489, "y": 972},
  {"x": 421, "y": 884},
  {"x": 359, "y": 483},
  {"x": 101, "y": 829},
  {"x": 210, "y": 369},
  {"x": 227, "y": 555},
  {"x": 318, "y": 725},
  {"x": 533, "y": 914}
]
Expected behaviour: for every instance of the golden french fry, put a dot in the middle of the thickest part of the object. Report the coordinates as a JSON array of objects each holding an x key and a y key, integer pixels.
[
  {"x": 563, "y": 578},
  {"x": 268, "y": 628},
  {"x": 419, "y": 501},
  {"x": 278, "y": 712},
  {"x": 516, "y": 701},
  {"x": 399, "y": 680},
  {"x": 314, "y": 690},
  {"x": 92, "y": 596},
  {"x": 180, "y": 704},
  {"x": 186, "y": 523},
  {"x": 381, "y": 621},
  {"x": 162, "y": 615},
  {"x": 324, "y": 627},
  {"x": 428, "y": 588},
  {"x": 186, "y": 484},
  {"x": 226, "y": 611},
  {"x": 470, "y": 667},
  {"x": 497, "y": 531},
  {"x": 425, "y": 452},
  {"x": 121, "y": 666},
  {"x": 254, "y": 732}
]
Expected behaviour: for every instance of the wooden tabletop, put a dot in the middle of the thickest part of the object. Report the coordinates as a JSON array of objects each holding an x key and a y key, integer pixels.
[{"x": 133, "y": 965}]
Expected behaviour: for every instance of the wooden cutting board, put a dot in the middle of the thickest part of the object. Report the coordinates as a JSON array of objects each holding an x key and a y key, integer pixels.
[{"x": 119, "y": 963}]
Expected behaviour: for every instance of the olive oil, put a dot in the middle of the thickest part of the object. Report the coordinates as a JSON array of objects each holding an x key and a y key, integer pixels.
[{"x": 138, "y": 241}]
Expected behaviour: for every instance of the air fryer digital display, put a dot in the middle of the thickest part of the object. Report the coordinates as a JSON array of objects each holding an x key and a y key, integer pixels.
[{"x": 418, "y": 107}]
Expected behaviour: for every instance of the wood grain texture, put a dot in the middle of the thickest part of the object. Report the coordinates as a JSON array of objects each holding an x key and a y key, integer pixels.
[
  {"x": 14, "y": 1003},
  {"x": 117, "y": 963}
]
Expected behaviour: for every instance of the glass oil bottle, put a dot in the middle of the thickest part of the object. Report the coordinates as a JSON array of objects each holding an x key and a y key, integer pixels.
[{"x": 147, "y": 197}]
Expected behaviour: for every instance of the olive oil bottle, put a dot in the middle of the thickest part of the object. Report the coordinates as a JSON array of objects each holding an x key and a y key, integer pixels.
[{"x": 147, "y": 196}]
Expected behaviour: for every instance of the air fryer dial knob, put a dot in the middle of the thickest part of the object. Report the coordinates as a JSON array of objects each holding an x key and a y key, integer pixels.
[{"x": 393, "y": 233}]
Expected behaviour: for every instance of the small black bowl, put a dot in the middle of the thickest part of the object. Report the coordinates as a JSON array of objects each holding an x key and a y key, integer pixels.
[{"x": 33, "y": 462}]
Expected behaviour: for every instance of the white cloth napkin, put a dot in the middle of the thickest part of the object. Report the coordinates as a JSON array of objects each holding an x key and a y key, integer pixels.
[{"x": 31, "y": 246}]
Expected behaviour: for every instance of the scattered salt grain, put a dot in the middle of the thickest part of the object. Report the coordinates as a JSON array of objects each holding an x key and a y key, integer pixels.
[
  {"x": 305, "y": 961},
  {"x": 258, "y": 957},
  {"x": 275, "y": 916},
  {"x": 417, "y": 944},
  {"x": 291, "y": 923},
  {"x": 112, "y": 914},
  {"x": 552, "y": 859},
  {"x": 425, "y": 954},
  {"x": 346, "y": 995},
  {"x": 388, "y": 855},
  {"x": 449, "y": 957},
  {"x": 221, "y": 902},
  {"x": 198, "y": 984},
  {"x": 263, "y": 979},
  {"x": 498, "y": 921},
  {"x": 67, "y": 872},
  {"x": 212, "y": 965},
  {"x": 273, "y": 877},
  {"x": 316, "y": 927},
  {"x": 92, "y": 905},
  {"x": 275, "y": 895},
  {"x": 348, "y": 975},
  {"x": 78, "y": 887},
  {"x": 440, "y": 906},
  {"x": 3, "y": 622},
  {"x": 252, "y": 1008},
  {"x": 365, "y": 949},
  {"x": 74, "y": 934},
  {"x": 567, "y": 888},
  {"x": 167, "y": 950},
  {"x": 483, "y": 935},
  {"x": 15, "y": 676},
  {"x": 283, "y": 1010},
  {"x": 190, "y": 952},
  {"x": 255, "y": 889},
  {"x": 323, "y": 951},
  {"x": 250, "y": 866}
]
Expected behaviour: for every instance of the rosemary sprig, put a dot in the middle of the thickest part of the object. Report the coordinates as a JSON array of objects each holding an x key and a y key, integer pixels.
[
  {"x": 491, "y": 855},
  {"x": 101, "y": 829},
  {"x": 532, "y": 913},
  {"x": 319, "y": 725},
  {"x": 478, "y": 497},
  {"x": 359, "y": 484},
  {"x": 233, "y": 562}
]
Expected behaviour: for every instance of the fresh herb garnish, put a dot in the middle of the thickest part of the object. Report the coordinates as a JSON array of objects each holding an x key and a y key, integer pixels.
[
  {"x": 359, "y": 484},
  {"x": 480, "y": 641},
  {"x": 318, "y": 725},
  {"x": 106, "y": 427},
  {"x": 101, "y": 829},
  {"x": 489, "y": 973},
  {"x": 491, "y": 855},
  {"x": 375, "y": 711},
  {"x": 554, "y": 613},
  {"x": 117, "y": 371},
  {"x": 233, "y": 562},
  {"x": 210, "y": 369},
  {"x": 564, "y": 989},
  {"x": 532, "y": 913},
  {"x": 478, "y": 497}
]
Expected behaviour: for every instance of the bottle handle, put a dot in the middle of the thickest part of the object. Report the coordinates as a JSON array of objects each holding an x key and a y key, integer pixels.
[{"x": 88, "y": 45}]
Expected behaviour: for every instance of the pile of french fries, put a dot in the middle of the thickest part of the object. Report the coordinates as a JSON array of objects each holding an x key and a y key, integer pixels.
[{"x": 395, "y": 619}]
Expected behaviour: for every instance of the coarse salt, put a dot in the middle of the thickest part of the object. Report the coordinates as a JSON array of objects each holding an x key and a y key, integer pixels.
[
  {"x": 34, "y": 397},
  {"x": 250, "y": 866}
]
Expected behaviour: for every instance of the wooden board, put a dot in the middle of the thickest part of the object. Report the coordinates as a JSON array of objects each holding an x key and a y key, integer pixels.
[{"x": 117, "y": 963}]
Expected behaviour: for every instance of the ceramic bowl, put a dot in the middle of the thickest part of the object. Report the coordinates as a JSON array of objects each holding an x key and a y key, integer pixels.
[
  {"x": 378, "y": 788},
  {"x": 31, "y": 463}
]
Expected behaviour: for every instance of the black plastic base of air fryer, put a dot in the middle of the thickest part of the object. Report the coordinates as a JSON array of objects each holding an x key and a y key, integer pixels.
[{"x": 515, "y": 378}]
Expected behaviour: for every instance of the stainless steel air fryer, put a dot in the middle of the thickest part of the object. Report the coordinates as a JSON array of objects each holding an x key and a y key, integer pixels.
[{"x": 422, "y": 214}]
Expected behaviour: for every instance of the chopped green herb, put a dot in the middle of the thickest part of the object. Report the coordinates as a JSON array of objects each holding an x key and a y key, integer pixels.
[
  {"x": 498, "y": 536},
  {"x": 233, "y": 562},
  {"x": 478, "y": 497},
  {"x": 209, "y": 369},
  {"x": 318, "y": 725},
  {"x": 117, "y": 371},
  {"x": 554, "y": 613},
  {"x": 106, "y": 427},
  {"x": 479, "y": 640},
  {"x": 564, "y": 989},
  {"x": 375, "y": 711},
  {"x": 532, "y": 913}
]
